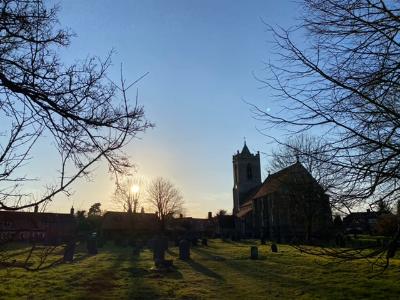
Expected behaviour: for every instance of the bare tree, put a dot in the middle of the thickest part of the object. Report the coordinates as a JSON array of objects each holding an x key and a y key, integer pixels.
[
  {"x": 310, "y": 151},
  {"x": 76, "y": 108},
  {"x": 128, "y": 193},
  {"x": 343, "y": 83},
  {"x": 165, "y": 199}
]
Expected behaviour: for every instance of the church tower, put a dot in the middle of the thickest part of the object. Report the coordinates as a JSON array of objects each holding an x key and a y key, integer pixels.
[{"x": 246, "y": 175}]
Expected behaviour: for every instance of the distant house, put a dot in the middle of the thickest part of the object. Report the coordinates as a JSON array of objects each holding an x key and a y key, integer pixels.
[
  {"x": 36, "y": 227},
  {"x": 195, "y": 226},
  {"x": 289, "y": 204},
  {"x": 118, "y": 224},
  {"x": 361, "y": 222},
  {"x": 225, "y": 226}
]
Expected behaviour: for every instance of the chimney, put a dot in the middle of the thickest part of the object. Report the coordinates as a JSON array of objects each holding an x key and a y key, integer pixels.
[
  {"x": 72, "y": 210},
  {"x": 36, "y": 208},
  {"x": 209, "y": 215},
  {"x": 368, "y": 210},
  {"x": 180, "y": 216},
  {"x": 142, "y": 210}
]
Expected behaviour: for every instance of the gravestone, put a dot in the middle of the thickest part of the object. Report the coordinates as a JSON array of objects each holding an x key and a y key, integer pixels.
[
  {"x": 69, "y": 252},
  {"x": 91, "y": 246},
  {"x": 204, "y": 242},
  {"x": 160, "y": 245},
  {"x": 274, "y": 247},
  {"x": 253, "y": 252},
  {"x": 340, "y": 241},
  {"x": 184, "y": 250}
]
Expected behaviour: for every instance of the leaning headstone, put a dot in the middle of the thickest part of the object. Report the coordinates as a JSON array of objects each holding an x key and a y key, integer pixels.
[
  {"x": 69, "y": 252},
  {"x": 274, "y": 247},
  {"x": 254, "y": 252},
  {"x": 184, "y": 250},
  {"x": 160, "y": 245},
  {"x": 204, "y": 242}
]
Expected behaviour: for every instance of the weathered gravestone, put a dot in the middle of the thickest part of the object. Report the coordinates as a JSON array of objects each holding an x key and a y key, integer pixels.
[
  {"x": 253, "y": 252},
  {"x": 274, "y": 247},
  {"x": 69, "y": 252},
  {"x": 160, "y": 245},
  {"x": 340, "y": 240},
  {"x": 184, "y": 250},
  {"x": 204, "y": 242}
]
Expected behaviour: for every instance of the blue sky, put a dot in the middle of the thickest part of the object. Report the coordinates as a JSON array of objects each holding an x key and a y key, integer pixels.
[{"x": 200, "y": 56}]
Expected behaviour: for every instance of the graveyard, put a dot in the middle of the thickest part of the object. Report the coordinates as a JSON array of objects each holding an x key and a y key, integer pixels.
[{"x": 220, "y": 270}]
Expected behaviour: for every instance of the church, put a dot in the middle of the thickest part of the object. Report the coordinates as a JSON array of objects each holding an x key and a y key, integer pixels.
[{"x": 288, "y": 206}]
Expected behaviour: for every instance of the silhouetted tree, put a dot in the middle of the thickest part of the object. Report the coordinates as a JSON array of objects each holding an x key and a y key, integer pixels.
[
  {"x": 383, "y": 207},
  {"x": 128, "y": 193},
  {"x": 165, "y": 199},
  {"x": 95, "y": 210},
  {"x": 75, "y": 107},
  {"x": 221, "y": 212},
  {"x": 343, "y": 83},
  {"x": 82, "y": 223},
  {"x": 310, "y": 151}
]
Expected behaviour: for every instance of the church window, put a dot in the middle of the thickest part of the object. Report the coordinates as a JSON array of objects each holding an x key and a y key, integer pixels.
[{"x": 249, "y": 172}]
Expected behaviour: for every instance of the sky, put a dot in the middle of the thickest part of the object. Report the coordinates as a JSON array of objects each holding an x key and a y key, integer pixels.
[{"x": 201, "y": 57}]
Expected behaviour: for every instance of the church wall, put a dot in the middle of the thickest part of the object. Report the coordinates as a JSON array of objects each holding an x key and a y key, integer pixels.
[{"x": 276, "y": 216}]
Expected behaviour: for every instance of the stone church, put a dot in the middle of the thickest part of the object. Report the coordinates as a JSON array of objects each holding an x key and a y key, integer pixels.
[{"x": 289, "y": 205}]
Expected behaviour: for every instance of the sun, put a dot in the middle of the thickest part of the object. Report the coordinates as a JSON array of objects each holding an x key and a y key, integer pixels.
[{"x": 135, "y": 188}]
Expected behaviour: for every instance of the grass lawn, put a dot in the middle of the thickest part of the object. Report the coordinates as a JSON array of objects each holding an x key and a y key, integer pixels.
[{"x": 222, "y": 270}]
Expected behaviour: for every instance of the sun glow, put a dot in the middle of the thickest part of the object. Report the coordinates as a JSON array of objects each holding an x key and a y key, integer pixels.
[{"x": 135, "y": 188}]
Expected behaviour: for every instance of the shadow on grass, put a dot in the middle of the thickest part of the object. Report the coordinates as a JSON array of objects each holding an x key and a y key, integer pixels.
[
  {"x": 241, "y": 242},
  {"x": 148, "y": 283},
  {"x": 204, "y": 270},
  {"x": 197, "y": 266},
  {"x": 207, "y": 255},
  {"x": 120, "y": 281}
]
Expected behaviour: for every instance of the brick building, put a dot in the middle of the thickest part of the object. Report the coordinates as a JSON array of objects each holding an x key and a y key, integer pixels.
[{"x": 35, "y": 226}]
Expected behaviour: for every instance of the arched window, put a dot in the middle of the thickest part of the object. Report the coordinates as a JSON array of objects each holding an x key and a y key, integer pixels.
[{"x": 249, "y": 172}]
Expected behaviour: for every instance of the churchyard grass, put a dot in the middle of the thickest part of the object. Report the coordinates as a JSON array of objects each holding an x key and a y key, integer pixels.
[{"x": 222, "y": 270}]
